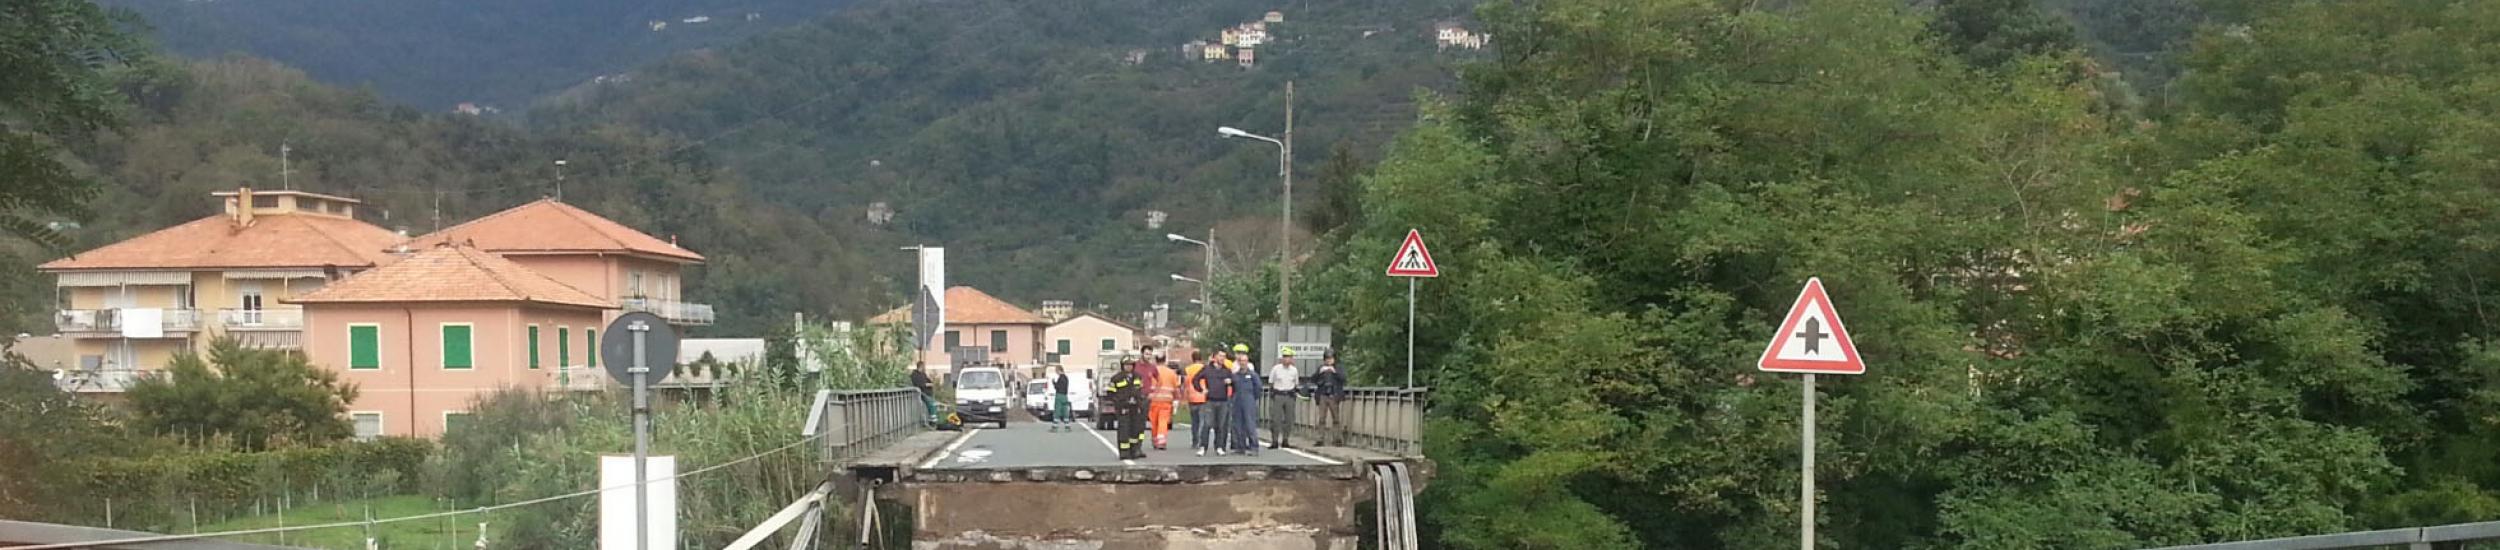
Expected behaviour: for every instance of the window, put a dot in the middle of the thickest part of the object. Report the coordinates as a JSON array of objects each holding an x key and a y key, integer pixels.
[
  {"x": 564, "y": 346},
  {"x": 633, "y": 283},
  {"x": 954, "y": 339},
  {"x": 265, "y": 201},
  {"x": 456, "y": 347},
  {"x": 188, "y": 299},
  {"x": 455, "y": 420},
  {"x": 1063, "y": 346},
  {"x": 590, "y": 346},
  {"x": 250, "y": 298},
  {"x": 1110, "y": 344},
  {"x": 364, "y": 346},
  {"x": 998, "y": 341},
  {"x": 368, "y": 425},
  {"x": 533, "y": 339}
]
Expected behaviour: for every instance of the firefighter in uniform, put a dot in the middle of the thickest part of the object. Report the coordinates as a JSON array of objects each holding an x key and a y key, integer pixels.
[{"x": 1129, "y": 394}]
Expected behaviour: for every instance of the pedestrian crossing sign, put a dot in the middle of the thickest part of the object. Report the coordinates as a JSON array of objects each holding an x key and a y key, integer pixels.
[
  {"x": 1412, "y": 259},
  {"x": 1812, "y": 340}
]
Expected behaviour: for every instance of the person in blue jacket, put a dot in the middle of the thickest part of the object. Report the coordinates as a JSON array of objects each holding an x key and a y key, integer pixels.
[{"x": 1246, "y": 389}]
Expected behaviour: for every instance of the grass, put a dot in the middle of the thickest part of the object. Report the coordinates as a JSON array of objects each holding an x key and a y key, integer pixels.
[{"x": 429, "y": 534}]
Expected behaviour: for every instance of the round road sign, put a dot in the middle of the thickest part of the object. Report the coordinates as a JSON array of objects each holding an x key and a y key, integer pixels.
[{"x": 659, "y": 347}]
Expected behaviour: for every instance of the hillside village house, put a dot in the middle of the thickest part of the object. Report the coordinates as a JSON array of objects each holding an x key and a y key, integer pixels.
[
  {"x": 424, "y": 337},
  {"x": 1079, "y": 341},
  {"x": 613, "y": 262},
  {"x": 980, "y": 328},
  {"x": 127, "y": 307}
]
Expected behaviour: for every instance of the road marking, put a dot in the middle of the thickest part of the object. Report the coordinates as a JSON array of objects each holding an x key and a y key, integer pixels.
[
  {"x": 950, "y": 449},
  {"x": 1321, "y": 459},
  {"x": 1106, "y": 443}
]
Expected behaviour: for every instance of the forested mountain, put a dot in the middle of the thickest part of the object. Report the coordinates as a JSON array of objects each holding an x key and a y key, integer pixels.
[
  {"x": 1022, "y": 136},
  {"x": 433, "y": 54}
]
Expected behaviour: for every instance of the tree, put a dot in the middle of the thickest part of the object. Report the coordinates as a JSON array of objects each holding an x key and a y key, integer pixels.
[
  {"x": 47, "y": 441},
  {"x": 1338, "y": 181},
  {"x": 253, "y": 399},
  {"x": 59, "y": 55},
  {"x": 1991, "y": 33}
]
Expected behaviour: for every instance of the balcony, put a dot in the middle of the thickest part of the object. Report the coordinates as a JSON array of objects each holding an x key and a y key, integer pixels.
[
  {"x": 287, "y": 319},
  {"x": 108, "y": 322},
  {"x": 98, "y": 381},
  {"x": 675, "y": 312}
]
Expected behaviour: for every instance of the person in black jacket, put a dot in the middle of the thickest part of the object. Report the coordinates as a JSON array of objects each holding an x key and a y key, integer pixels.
[
  {"x": 1328, "y": 389},
  {"x": 1216, "y": 381}
]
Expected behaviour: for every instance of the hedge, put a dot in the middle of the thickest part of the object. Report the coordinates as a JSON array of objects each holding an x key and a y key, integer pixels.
[{"x": 160, "y": 492}]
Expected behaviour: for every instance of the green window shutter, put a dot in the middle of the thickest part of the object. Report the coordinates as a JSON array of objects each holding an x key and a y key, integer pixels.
[
  {"x": 1063, "y": 346},
  {"x": 456, "y": 347},
  {"x": 455, "y": 421},
  {"x": 564, "y": 345},
  {"x": 1110, "y": 344},
  {"x": 590, "y": 346},
  {"x": 364, "y": 347},
  {"x": 954, "y": 339},
  {"x": 998, "y": 341},
  {"x": 533, "y": 346}
]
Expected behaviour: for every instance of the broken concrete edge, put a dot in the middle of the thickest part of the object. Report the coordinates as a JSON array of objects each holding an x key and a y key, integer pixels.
[{"x": 1138, "y": 474}]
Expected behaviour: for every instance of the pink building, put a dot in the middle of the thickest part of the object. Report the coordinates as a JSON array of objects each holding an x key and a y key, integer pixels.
[
  {"x": 979, "y": 328},
  {"x": 597, "y": 255},
  {"x": 424, "y": 337}
]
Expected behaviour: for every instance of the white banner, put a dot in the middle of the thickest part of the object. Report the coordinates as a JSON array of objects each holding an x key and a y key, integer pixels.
[
  {"x": 933, "y": 283},
  {"x": 616, "y": 506}
]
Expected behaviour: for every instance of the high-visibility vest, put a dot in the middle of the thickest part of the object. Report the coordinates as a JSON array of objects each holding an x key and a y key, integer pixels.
[
  {"x": 1165, "y": 387},
  {"x": 1188, "y": 390}
]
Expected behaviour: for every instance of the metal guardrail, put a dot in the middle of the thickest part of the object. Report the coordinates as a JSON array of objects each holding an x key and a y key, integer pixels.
[
  {"x": 855, "y": 422},
  {"x": 291, "y": 318},
  {"x": 2440, "y": 537},
  {"x": 1386, "y": 420}
]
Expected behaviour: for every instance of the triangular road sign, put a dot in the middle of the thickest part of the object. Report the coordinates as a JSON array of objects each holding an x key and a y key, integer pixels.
[
  {"x": 1412, "y": 259},
  {"x": 1812, "y": 339}
]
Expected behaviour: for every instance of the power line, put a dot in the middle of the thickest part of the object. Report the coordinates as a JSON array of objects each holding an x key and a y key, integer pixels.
[{"x": 532, "y": 502}]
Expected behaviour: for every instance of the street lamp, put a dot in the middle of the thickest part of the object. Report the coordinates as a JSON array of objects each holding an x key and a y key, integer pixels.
[
  {"x": 1284, "y": 227},
  {"x": 1178, "y": 277},
  {"x": 1205, "y": 295}
]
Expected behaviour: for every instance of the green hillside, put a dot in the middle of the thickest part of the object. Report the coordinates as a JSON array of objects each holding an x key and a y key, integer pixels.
[{"x": 1019, "y": 135}]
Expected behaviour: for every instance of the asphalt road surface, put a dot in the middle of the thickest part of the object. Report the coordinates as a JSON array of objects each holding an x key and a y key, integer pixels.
[{"x": 1029, "y": 444}]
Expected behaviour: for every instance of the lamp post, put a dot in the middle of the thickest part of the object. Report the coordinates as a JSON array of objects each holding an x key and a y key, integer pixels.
[
  {"x": 1206, "y": 295},
  {"x": 1284, "y": 228}
]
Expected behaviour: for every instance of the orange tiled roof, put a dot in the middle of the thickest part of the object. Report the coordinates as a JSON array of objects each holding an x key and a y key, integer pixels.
[
  {"x": 215, "y": 242},
  {"x": 451, "y": 274},
  {"x": 547, "y": 226},
  {"x": 969, "y": 306}
]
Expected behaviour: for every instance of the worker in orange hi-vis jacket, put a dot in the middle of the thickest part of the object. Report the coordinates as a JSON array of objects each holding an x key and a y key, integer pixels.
[{"x": 1160, "y": 393}]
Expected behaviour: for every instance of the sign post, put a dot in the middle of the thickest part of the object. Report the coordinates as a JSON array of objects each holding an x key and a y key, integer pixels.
[
  {"x": 630, "y": 360},
  {"x": 1811, "y": 340},
  {"x": 1413, "y": 262}
]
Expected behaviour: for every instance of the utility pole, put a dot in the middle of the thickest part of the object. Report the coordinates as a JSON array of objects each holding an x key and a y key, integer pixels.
[
  {"x": 285, "y": 178},
  {"x": 1284, "y": 264},
  {"x": 559, "y": 180}
]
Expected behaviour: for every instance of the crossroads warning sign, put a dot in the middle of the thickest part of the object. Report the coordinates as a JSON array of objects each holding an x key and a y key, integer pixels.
[
  {"x": 1812, "y": 340},
  {"x": 1413, "y": 260}
]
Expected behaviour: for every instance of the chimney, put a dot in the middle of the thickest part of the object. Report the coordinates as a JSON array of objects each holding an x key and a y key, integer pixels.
[{"x": 243, "y": 206}]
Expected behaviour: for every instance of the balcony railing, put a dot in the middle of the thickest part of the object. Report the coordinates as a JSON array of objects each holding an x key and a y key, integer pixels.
[
  {"x": 110, "y": 320},
  {"x": 675, "y": 312},
  {"x": 262, "y": 319},
  {"x": 99, "y": 381}
]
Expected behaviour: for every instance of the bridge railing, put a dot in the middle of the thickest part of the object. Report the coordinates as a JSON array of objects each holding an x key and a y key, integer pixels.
[
  {"x": 855, "y": 422},
  {"x": 2441, "y": 537},
  {"x": 1385, "y": 420}
]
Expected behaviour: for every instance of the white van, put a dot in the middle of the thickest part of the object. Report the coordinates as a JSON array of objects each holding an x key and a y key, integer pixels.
[
  {"x": 1080, "y": 396},
  {"x": 982, "y": 395}
]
